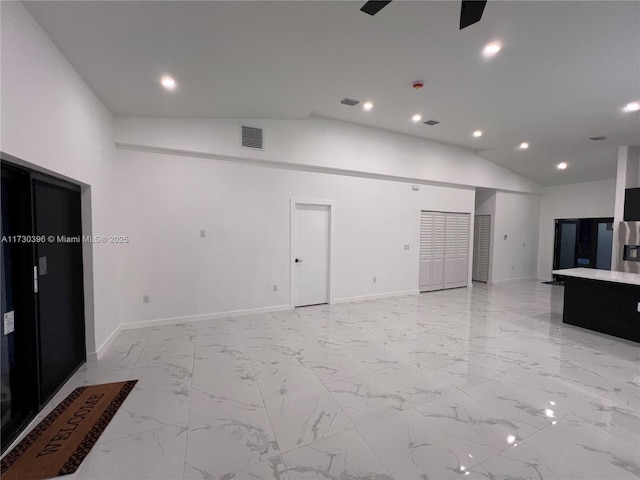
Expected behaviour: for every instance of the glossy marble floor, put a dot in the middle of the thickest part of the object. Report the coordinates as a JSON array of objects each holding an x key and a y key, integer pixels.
[{"x": 482, "y": 383}]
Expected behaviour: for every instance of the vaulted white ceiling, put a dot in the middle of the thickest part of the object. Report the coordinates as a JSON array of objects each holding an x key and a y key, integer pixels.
[{"x": 564, "y": 74}]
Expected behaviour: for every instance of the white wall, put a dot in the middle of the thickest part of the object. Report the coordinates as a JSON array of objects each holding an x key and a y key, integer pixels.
[
  {"x": 364, "y": 170},
  {"x": 165, "y": 200},
  {"x": 517, "y": 217},
  {"x": 578, "y": 200},
  {"x": 53, "y": 122},
  {"x": 323, "y": 143}
]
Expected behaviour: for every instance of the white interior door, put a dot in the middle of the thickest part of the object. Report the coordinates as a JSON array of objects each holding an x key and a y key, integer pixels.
[{"x": 311, "y": 255}]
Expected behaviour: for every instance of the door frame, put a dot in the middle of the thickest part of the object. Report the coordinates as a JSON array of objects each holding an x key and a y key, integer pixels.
[
  {"x": 86, "y": 210},
  {"x": 292, "y": 242},
  {"x": 34, "y": 174}
]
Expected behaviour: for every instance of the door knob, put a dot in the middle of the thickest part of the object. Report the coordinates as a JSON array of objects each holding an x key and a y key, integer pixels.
[{"x": 298, "y": 260}]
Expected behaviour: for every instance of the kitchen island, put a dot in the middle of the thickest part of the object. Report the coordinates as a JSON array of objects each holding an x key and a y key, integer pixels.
[{"x": 602, "y": 300}]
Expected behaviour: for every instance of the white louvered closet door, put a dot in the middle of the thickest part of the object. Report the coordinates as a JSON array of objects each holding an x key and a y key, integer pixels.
[
  {"x": 474, "y": 261},
  {"x": 439, "y": 249},
  {"x": 451, "y": 247},
  {"x": 462, "y": 249},
  {"x": 426, "y": 250},
  {"x": 444, "y": 250},
  {"x": 432, "y": 250},
  {"x": 481, "y": 242}
]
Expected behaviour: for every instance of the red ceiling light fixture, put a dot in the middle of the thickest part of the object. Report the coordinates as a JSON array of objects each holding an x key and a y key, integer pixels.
[{"x": 417, "y": 85}]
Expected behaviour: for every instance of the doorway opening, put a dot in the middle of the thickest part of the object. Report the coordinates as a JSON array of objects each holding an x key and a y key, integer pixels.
[
  {"x": 311, "y": 247},
  {"x": 583, "y": 242}
]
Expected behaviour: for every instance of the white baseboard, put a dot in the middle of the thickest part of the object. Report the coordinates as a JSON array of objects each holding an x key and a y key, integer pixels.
[
  {"x": 376, "y": 295},
  {"x": 205, "y": 316},
  {"x": 510, "y": 280},
  {"x": 103, "y": 348},
  {"x": 177, "y": 320}
]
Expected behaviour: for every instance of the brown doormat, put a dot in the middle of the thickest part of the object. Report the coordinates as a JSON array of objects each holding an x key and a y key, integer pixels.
[{"x": 59, "y": 443}]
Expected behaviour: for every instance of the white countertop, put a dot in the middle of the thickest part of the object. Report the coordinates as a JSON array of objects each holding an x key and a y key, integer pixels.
[{"x": 602, "y": 275}]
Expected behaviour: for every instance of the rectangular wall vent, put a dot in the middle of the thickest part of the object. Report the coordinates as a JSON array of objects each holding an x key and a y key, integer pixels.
[{"x": 252, "y": 137}]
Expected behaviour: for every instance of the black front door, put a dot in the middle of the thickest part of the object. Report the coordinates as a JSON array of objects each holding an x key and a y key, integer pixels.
[
  {"x": 60, "y": 299},
  {"x": 18, "y": 344},
  {"x": 42, "y": 341}
]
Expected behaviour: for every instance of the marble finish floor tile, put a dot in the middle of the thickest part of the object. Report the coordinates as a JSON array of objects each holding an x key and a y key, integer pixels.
[
  {"x": 482, "y": 383},
  {"x": 481, "y": 431},
  {"x": 410, "y": 446},
  {"x": 598, "y": 453},
  {"x": 335, "y": 364},
  {"x": 342, "y": 456},
  {"x": 227, "y": 440},
  {"x": 530, "y": 460},
  {"x": 305, "y": 417},
  {"x": 279, "y": 378},
  {"x": 366, "y": 397},
  {"x": 417, "y": 384},
  {"x": 166, "y": 349},
  {"x": 154, "y": 455}
]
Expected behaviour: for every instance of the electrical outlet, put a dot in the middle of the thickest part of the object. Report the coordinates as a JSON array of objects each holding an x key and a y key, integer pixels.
[
  {"x": 203, "y": 233},
  {"x": 375, "y": 279},
  {"x": 145, "y": 299},
  {"x": 406, "y": 247},
  {"x": 524, "y": 244},
  {"x": 275, "y": 288},
  {"x": 513, "y": 267}
]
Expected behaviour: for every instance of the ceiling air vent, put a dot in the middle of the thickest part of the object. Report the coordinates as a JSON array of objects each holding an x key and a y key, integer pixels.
[
  {"x": 349, "y": 101},
  {"x": 600, "y": 137},
  {"x": 431, "y": 122},
  {"x": 252, "y": 137}
]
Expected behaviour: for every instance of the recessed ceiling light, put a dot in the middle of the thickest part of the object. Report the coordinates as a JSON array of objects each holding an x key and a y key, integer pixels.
[
  {"x": 416, "y": 118},
  {"x": 168, "y": 82},
  {"x": 631, "y": 107},
  {"x": 523, "y": 146},
  {"x": 477, "y": 133},
  {"x": 491, "y": 49},
  {"x": 562, "y": 166},
  {"x": 367, "y": 106}
]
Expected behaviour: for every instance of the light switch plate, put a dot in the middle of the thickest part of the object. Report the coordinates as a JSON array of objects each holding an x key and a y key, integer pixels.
[
  {"x": 8, "y": 323},
  {"x": 406, "y": 247}
]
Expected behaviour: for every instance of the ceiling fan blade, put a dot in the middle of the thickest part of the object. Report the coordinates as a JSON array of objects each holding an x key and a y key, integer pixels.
[
  {"x": 471, "y": 12},
  {"x": 374, "y": 6}
]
